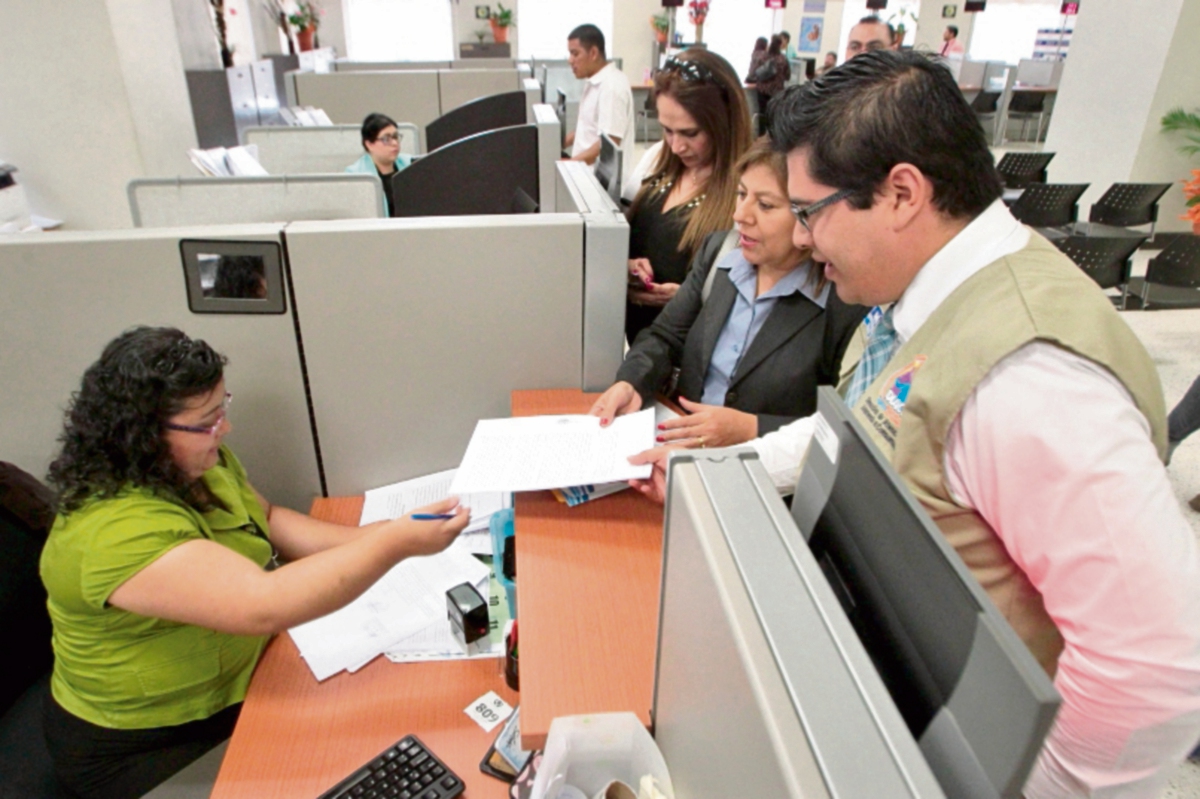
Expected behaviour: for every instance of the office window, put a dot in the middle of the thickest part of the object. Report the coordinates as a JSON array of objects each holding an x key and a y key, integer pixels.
[
  {"x": 543, "y": 25},
  {"x": 1008, "y": 29},
  {"x": 399, "y": 30},
  {"x": 730, "y": 30}
]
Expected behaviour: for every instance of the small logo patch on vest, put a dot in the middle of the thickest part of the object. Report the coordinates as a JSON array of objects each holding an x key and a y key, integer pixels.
[{"x": 883, "y": 412}]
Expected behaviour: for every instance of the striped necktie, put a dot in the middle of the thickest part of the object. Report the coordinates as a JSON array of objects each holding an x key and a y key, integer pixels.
[{"x": 879, "y": 350}]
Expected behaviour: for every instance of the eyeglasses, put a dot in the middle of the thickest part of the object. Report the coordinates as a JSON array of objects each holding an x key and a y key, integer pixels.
[
  {"x": 207, "y": 430},
  {"x": 804, "y": 213},
  {"x": 389, "y": 138},
  {"x": 689, "y": 70}
]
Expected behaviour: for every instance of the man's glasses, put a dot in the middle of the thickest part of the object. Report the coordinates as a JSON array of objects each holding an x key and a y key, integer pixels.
[
  {"x": 207, "y": 430},
  {"x": 805, "y": 213},
  {"x": 689, "y": 70}
]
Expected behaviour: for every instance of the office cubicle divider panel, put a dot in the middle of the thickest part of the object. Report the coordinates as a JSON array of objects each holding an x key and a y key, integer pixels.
[
  {"x": 66, "y": 296},
  {"x": 321, "y": 150},
  {"x": 416, "y": 328},
  {"x": 479, "y": 115},
  {"x": 484, "y": 63},
  {"x": 179, "y": 202},
  {"x": 606, "y": 252},
  {"x": 549, "y": 153},
  {"x": 476, "y": 175},
  {"x": 348, "y": 65},
  {"x": 533, "y": 96},
  {"x": 461, "y": 86},
  {"x": 347, "y": 97}
]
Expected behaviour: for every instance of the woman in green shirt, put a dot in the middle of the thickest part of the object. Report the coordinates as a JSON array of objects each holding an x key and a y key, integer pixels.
[{"x": 157, "y": 567}]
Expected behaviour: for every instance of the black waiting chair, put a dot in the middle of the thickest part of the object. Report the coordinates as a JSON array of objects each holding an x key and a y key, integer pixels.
[
  {"x": 1106, "y": 260},
  {"x": 1129, "y": 204},
  {"x": 1049, "y": 204},
  {"x": 1020, "y": 169},
  {"x": 1027, "y": 105},
  {"x": 1172, "y": 277},
  {"x": 985, "y": 107}
]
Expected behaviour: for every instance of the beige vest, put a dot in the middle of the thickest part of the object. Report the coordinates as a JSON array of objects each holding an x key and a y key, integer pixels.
[{"x": 1033, "y": 294}]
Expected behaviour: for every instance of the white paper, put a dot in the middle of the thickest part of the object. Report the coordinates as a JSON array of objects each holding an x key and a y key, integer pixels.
[
  {"x": 398, "y": 499},
  {"x": 530, "y": 453},
  {"x": 488, "y": 710},
  {"x": 410, "y": 596}
]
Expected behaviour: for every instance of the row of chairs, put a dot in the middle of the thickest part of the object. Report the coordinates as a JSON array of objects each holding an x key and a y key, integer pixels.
[{"x": 1022, "y": 105}]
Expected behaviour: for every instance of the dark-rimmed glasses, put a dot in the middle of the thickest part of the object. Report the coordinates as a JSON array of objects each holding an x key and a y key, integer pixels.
[
  {"x": 689, "y": 70},
  {"x": 389, "y": 138},
  {"x": 804, "y": 213},
  {"x": 207, "y": 429}
]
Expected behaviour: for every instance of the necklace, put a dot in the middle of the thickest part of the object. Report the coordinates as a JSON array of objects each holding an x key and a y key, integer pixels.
[{"x": 663, "y": 186}]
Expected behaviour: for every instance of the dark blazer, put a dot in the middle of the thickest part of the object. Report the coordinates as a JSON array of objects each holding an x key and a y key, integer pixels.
[{"x": 799, "y": 347}]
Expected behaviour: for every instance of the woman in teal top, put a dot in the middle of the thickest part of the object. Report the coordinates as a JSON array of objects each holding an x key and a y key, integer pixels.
[
  {"x": 381, "y": 140},
  {"x": 158, "y": 567}
]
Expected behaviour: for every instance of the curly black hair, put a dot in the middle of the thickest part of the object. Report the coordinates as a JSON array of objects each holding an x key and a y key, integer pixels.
[{"x": 113, "y": 428}]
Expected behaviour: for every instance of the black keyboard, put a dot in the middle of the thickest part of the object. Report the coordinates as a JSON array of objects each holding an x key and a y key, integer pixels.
[{"x": 407, "y": 770}]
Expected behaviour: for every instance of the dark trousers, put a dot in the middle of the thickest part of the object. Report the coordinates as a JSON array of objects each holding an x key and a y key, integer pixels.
[
  {"x": 95, "y": 762},
  {"x": 1185, "y": 417}
]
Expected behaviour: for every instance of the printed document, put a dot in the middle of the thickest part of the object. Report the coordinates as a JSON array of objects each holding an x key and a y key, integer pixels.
[{"x": 531, "y": 453}]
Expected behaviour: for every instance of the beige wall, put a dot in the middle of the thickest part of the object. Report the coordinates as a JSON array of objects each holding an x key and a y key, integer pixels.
[
  {"x": 931, "y": 25},
  {"x": 831, "y": 32},
  {"x": 465, "y": 24},
  {"x": 633, "y": 36}
]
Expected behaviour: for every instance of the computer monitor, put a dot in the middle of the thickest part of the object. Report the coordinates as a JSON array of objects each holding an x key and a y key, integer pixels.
[
  {"x": 608, "y": 167},
  {"x": 969, "y": 690},
  {"x": 841, "y": 649}
]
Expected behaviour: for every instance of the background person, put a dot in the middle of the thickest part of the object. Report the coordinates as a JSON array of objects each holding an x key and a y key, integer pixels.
[
  {"x": 160, "y": 593},
  {"x": 830, "y": 63},
  {"x": 950, "y": 43},
  {"x": 756, "y": 57},
  {"x": 381, "y": 140},
  {"x": 607, "y": 102},
  {"x": 869, "y": 34},
  {"x": 789, "y": 52},
  {"x": 687, "y": 184},
  {"x": 752, "y": 352},
  {"x": 769, "y": 78},
  {"x": 1016, "y": 405}
]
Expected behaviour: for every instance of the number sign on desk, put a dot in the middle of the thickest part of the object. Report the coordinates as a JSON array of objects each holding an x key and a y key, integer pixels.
[{"x": 489, "y": 710}]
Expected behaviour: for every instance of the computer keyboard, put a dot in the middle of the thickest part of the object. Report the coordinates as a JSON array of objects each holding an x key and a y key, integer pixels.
[{"x": 407, "y": 770}]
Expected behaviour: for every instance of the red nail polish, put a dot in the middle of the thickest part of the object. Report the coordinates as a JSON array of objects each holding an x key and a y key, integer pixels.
[
  {"x": 658, "y": 439},
  {"x": 662, "y": 427}
]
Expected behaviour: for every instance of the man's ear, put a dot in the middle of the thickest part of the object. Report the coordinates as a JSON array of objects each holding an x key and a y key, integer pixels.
[{"x": 906, "y": 192}]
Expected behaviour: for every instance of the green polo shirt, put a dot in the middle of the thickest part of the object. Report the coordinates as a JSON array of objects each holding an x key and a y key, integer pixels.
[{"x": 120, "y": 670}]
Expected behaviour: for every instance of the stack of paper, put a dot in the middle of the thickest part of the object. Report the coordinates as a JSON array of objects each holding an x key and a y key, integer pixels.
[
  {"x": 399, "y": 499},
  {"x": 232, "y": 162},
  {"x": 408, "y": 599}
]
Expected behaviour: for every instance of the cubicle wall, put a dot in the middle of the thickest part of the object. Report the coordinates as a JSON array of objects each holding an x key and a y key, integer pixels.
[
  {"x": 347, "y": 65},
  {"x": 309, "y": 151},
  {"x": 415, "y": 96},
  {"x": 67, "y": 295},
  {"x": 171, "y": 202}
]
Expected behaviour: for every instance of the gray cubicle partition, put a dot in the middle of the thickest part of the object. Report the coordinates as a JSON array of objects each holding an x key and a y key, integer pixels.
[
  {"x": 172, "y": 202},
  {"x": 606, "y": 251},
  {"x": 67, "y": 295},
  {"x": 460, "y": 86},
  {"x": 415, "y": 328},
  {"x": 549, "y": 152},
  {"x": 308, "y": 151},
  {"x": 348, "y": 65},
  {"x": 533, "y": 95}
]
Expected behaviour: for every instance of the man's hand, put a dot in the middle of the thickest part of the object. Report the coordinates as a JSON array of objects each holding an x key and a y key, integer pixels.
[{"x": 655, "y": 487}]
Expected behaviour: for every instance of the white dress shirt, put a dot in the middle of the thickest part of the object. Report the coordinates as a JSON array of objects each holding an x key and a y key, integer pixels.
[
  {"x": 1051, "y": 450},
  {"x": 606, "y": 107}
]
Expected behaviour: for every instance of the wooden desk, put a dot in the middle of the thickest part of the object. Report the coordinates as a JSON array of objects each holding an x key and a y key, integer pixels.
[
  {"x": 587, "y": 593},
  {"x": 297, "y": 738}
]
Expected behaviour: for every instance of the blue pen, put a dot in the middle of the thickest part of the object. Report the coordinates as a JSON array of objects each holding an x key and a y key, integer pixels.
[{"x": 429, "y": 517}]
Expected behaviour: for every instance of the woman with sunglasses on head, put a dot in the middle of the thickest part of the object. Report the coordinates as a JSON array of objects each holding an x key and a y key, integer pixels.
[
  {"x": 159, "y": 567},
  {"x": 689, "y": 184},
  {"x": 752, "y": 333},
  {"x": 381, "y": 140}
]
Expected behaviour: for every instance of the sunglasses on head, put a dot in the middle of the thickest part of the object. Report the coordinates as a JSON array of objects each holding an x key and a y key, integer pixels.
[{"x": 688, "y": 70}]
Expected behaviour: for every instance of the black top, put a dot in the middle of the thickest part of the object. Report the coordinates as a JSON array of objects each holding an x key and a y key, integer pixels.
[
  {"x": 655, "y": 236},
  {"x": 387, "y": 189}
]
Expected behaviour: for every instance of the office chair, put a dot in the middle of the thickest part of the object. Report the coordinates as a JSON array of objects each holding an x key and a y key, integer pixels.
[
  {"x": 1129, "y": 204},
  {"x": 985, "y": 107},
  {"x": 1020, "y": 169},
  {"x": 1172, "y": 277},
  {"x": 648, "y": 112},
  {"x": 1106, "y": 260},
  {"x": 1027, "y": 105},
  {"x": 1049, "y": 204}
]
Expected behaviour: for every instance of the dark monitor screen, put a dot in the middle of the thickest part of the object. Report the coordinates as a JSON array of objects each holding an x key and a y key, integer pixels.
[
  {"x": 975, "y": 5},
  {"x": 608, "y": 167},
  {"x": 969, "y": 690}
]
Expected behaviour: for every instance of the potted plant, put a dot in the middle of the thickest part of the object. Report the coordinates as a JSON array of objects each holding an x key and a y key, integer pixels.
[
  {"x": 1188, "y": 123},
  {"x": 501, "y": 21},
  {"x": 306, "y": 19},
  {"x": 661, "y": 25},
  {"x": 697, "y": 13},
  {"x": 899, "y": 22}
]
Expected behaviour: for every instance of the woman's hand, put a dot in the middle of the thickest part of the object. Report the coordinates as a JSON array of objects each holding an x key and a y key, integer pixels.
[
  {"x": 641, "y": 273},
  {"x": 656, "y": 294},
  {"x": 620, "y": 399},
  {"x": 430, "y": 537},
  {"x": 708, "y": 426}
]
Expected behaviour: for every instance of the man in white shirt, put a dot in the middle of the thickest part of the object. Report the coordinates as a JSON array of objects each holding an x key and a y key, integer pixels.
[
  {"x": 607, "y": 102},
  {"x": 1031, "y": 427}
]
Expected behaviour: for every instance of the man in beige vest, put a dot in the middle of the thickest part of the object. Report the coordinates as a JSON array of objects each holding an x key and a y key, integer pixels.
[{"x": 1032, "y": 426}]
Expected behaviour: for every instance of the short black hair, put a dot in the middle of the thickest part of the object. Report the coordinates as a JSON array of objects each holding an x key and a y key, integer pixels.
[
  {"x": 786, "y": 35},
  {"x": 953, "y": 29},
  {"x": 875, "y": 19},
  {"x": 373, "y": 125},
  {"x": 589, "y": 36},
  {"x": 883, "y": 108}
]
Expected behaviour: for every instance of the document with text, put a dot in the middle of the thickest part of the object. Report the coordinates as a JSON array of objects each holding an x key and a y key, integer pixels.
[{"x": 531, "y": 453}]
